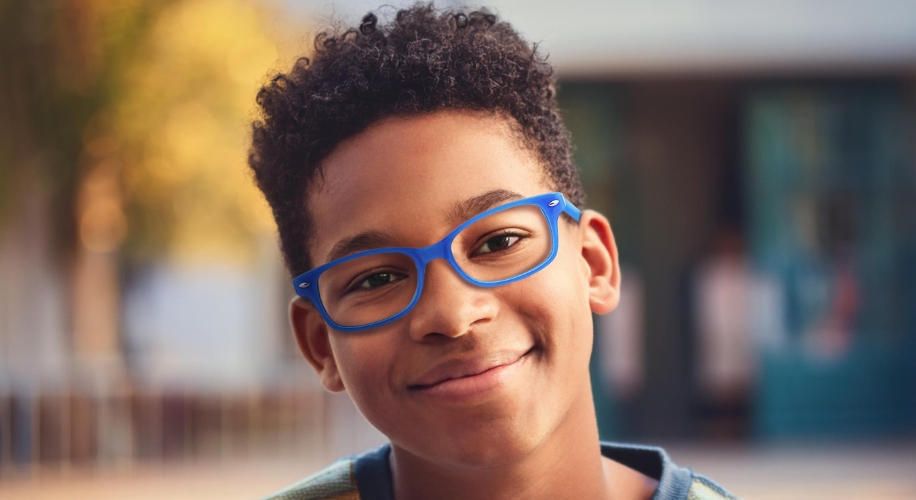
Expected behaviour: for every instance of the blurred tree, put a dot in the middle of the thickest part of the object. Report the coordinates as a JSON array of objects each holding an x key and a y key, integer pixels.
[
  {"x": 123, "y": 121},
  {"x": 184, "y": 123},
  {"x": 62, "y": 62}
]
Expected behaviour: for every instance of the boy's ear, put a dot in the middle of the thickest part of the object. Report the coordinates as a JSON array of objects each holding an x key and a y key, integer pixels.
[
  {"x": 312, "y": 336},
  {"x": 599, "y": 255}
]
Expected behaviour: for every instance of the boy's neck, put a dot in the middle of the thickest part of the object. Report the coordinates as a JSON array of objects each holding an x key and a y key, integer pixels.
[{"x": 568, "y": 465}]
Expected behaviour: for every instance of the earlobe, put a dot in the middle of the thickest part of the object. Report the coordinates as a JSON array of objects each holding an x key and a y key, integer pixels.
[
  {"x": 312, "y": 335},
  {"x": 599, "y": 255}
]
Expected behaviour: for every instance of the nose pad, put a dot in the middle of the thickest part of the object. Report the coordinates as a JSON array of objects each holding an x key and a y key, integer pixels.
[{"x": 431, "y": 253}]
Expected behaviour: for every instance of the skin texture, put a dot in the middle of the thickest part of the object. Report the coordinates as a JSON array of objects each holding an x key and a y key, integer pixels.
[{"x": 536, "y": 435}]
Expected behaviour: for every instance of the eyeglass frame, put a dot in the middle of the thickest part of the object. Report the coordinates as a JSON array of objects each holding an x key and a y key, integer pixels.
[{"x": 550, "y": 204}]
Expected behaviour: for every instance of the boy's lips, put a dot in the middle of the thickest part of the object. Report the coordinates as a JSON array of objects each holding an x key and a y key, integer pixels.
[{"x": 467, "y": 367}]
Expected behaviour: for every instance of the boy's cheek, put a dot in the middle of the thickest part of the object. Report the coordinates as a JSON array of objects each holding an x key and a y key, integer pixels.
[
  {"x": 373, "y": 365},
  {"x": 367, "y": 372},
  {"x": 362, "y": 361}
]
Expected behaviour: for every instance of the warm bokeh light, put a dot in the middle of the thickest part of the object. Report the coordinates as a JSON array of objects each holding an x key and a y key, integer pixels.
[
  {"x": 102, "y": 223},
  {"x": 184, "y": 118}
]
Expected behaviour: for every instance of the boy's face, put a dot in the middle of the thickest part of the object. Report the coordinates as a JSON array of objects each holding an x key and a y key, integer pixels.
[{"x": 405, "y": 177}]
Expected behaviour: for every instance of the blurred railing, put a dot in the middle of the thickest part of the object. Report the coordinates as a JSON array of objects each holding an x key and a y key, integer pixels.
[{"x": 75, "y": 427}]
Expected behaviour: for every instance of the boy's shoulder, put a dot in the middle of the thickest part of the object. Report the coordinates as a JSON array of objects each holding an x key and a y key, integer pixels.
[
  {"x": 362, "y": 477},
  {"x": 334, "y": 482},
  {"x": 674, "y": 482},
  {"x": 703, "y": 488},
  {"x": 368, "y": 477}
]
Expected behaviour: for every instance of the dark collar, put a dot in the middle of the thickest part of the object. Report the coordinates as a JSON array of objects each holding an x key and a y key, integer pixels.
[
  {"x": 373, "y": 470},
  {"x": 673, "y": 481}
]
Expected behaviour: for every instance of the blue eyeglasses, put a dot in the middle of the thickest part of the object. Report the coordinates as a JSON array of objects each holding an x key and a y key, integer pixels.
[{"x": 496, "y": 247}]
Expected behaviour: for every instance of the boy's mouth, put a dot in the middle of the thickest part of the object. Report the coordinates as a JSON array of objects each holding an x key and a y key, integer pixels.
[{"x": 468, "y": 368}]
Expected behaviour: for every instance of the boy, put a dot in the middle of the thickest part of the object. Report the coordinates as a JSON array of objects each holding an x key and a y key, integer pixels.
[{"x": 421, "y": 180}]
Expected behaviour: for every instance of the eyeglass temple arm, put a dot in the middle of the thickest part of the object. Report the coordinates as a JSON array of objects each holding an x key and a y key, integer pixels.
[{"x": 571, "y": 210}]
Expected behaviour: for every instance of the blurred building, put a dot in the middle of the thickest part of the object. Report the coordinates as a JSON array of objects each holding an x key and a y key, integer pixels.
[{"x": 757, "y": 165}]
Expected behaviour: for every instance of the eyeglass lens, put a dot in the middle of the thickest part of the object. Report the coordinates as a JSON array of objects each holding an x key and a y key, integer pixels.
[{"x": 376, "y": 287}]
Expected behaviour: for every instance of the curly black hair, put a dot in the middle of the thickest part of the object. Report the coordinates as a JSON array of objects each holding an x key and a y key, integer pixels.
[{"x": 422, "y": 61}]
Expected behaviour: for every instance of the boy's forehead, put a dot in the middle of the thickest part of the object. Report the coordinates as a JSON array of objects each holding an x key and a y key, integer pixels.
[{"x": 407, "y": 176}]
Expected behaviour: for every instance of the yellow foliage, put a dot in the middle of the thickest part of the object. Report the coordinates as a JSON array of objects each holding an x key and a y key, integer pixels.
[{"x": 185, "y": 118}]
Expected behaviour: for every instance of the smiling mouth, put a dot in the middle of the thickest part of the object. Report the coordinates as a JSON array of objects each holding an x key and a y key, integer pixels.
[{"x": 466, "y": 385}]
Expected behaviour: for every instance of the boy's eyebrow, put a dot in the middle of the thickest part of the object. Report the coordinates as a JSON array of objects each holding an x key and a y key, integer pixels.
[
  {"x": 470, "y": 207},
  {"x": 459, "y": 213},
  {"x": 363, "y": 241}
]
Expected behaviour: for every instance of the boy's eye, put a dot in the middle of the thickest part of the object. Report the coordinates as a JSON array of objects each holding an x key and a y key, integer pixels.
[
  {"x": 497, "y": 243},
  {"x": 376, "y": 280}
]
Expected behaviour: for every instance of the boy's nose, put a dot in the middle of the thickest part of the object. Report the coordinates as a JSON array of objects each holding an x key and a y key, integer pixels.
[{"x": 449, "y": 306}]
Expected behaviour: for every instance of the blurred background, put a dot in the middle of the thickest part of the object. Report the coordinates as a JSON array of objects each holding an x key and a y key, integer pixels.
[{"x": 756, "y": 160}]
